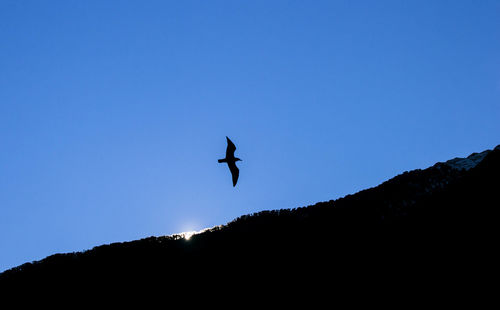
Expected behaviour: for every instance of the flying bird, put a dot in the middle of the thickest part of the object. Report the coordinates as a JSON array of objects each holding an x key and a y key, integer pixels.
[{"x": 231, "y": 160}]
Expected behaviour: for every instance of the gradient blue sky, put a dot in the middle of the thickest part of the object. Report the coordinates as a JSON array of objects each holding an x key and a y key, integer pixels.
[{"x": 113, "y": 113}]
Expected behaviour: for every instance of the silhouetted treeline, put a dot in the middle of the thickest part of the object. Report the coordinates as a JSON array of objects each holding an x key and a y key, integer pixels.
[{"x": 434, "y": 228}]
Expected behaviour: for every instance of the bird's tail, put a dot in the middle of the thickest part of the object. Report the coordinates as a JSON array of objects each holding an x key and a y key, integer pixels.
[{"x": 222, "y": 160}]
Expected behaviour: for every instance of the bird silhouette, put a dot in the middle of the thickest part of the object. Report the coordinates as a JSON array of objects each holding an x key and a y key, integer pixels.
[{"x": 231, "y": 160}]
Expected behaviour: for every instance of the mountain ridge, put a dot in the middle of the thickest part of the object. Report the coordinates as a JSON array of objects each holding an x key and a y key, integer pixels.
[{"x": 421, "y": 223}]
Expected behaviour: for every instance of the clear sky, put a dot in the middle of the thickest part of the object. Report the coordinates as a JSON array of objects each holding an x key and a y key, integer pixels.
[{"x": 113, "y": 113}]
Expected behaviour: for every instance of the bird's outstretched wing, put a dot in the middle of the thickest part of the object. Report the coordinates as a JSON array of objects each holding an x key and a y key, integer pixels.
[
  {"x": 230, "y": 149},
  {"x": 235, "y": 172}
]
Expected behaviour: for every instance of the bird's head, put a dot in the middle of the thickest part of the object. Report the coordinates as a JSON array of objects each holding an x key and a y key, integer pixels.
[{"x": 237, "y": 159}]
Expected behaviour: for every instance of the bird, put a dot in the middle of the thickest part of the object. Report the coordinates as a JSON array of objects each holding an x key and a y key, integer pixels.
[{"x": 231, "y": 160}]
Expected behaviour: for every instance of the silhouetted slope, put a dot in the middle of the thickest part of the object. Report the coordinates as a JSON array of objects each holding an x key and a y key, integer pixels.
[{"x": 433, "y": 227}]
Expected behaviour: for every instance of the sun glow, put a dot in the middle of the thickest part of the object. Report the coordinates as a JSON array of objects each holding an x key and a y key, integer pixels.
[{"x": 188, "y": 234}]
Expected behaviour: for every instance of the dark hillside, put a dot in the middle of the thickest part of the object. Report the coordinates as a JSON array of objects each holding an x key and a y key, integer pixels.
[{"x": 428, "y": 230}]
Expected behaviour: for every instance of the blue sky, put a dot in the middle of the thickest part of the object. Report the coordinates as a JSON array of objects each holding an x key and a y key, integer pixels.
[{"x": 113, "y": 113}]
